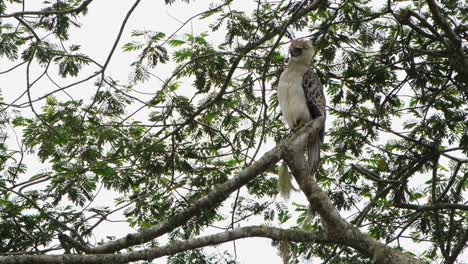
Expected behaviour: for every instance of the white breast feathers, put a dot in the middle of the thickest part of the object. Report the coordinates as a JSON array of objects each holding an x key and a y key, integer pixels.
[{"x": 292, "y": 99}]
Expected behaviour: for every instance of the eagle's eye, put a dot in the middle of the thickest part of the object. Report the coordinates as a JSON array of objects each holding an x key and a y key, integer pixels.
[{"x": 295, "y": 51}]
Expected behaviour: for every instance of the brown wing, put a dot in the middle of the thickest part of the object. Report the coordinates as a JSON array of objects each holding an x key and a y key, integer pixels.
[{"x": 315, "y": 97}]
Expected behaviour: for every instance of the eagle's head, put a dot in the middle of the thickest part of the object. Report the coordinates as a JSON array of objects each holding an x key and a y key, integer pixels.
[{"x": 301, "y": 50}]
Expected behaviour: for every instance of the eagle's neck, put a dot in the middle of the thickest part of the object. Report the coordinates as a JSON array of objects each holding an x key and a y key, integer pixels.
[{"x": 298, "y": 67}]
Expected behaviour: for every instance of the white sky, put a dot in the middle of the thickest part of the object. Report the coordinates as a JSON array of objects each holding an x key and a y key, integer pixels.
[{"x": 96, "y": 37}]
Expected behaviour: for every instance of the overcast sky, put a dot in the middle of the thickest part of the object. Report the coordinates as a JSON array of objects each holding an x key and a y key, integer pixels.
[{"x": 96, "y": 37}]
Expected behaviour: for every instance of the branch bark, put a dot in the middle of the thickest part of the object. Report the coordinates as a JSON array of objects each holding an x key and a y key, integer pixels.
[
  {"x": 219, "y": 194},
  {"x": 175, "y": 247},
  {"x": 335, "y": 226},
  {"x": 454, "y": 40}
]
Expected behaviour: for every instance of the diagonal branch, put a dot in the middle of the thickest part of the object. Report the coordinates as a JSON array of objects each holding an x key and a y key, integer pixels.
[
  {"x": 454, "y": 40},
  {"x": 335, "y": 226},
  {"x": 373, "y": 176},
  {"x": 459, "y": 247},
  {"x": 219, "y": 194},
  {"x": 33, "y": 32}
]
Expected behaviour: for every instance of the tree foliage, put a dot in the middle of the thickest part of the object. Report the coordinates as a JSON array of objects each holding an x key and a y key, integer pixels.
[{"x": 394, "y": 158}]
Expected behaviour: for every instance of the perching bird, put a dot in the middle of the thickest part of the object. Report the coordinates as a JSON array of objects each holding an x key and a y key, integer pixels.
[{"x": 301, "y": 97}]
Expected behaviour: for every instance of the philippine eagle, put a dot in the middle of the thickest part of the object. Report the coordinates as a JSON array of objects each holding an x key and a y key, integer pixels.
[{"x": 300, "y": 95}]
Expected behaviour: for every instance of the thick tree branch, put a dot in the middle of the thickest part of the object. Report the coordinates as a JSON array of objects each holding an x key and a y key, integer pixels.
[
  {"x": 219, "y": 194},
  {"x": 335, "y": 226},
  {"x": 454, "y": 40},
  {"x": 176, "y": 247}
]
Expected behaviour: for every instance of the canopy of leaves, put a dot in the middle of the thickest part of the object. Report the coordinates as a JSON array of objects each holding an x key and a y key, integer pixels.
[{"x": 394, "y": 158}]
